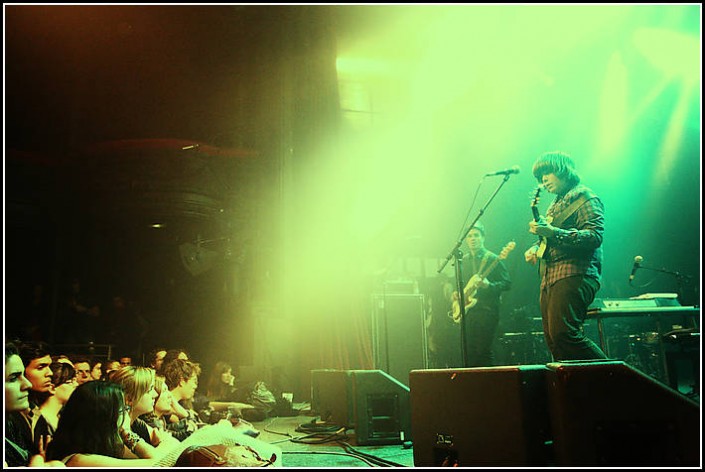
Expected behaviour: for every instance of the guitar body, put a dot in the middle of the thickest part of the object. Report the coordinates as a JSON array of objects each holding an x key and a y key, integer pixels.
[{"x": 473, "y": 285}]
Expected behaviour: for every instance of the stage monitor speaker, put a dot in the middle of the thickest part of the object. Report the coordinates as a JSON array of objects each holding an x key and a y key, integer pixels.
[
  {"x": 371, "y": 402},
  {"x": 399, "y": 339},
  {"x": 381, "y": 409},
  {"x": 606, "y": 413},
  {"x": 481, "y": 416},
  {"x": 329, "y": 395}
]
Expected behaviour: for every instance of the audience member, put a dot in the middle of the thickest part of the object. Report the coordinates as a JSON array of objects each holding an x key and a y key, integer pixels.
[
  {"x": 63, "y": 383},
  {"x": 164, "y": 407},
  {"x": 62, "y": 358},
  {"x": 221, "y": 384},
  {"x": 181, "y": 377},
  {"x": 37, "y": 361},
  {"x": 155, "y": 358},
  {"x": 109, "y": 366},
  {"x": 140, "y": 396},
  {"x": 17, "y": 386},
  {"x": 94, "y": 431},
  {"x": 83, "y": 369},
  {"x": 170, "y": 355},
  {"x": 96, "y": 369}
]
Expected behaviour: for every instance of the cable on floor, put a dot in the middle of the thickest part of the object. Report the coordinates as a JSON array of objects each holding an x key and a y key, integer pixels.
[{"x": 376, "y": 460}]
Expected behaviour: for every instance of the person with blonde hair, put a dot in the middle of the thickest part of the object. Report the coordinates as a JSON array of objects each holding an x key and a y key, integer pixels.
[
  {"x": 164, "y": 407},
  {"x": 140, "y": 396}
]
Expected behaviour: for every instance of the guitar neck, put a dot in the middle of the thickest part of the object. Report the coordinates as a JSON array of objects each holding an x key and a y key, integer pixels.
[
  {"x": 489, "y": 268},
  {"x": 484, "y": 273},
  {"x": 535, "y": 212}
]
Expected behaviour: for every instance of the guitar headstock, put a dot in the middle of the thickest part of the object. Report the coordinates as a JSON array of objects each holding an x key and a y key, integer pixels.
[{"x": 507, "y": 249}]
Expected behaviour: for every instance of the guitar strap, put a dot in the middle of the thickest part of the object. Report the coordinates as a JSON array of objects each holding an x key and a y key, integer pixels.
[
  {"x": 483, "y": 263},
  {"x": 565, "y": 214},
  {"x": 560, "y": 219}
]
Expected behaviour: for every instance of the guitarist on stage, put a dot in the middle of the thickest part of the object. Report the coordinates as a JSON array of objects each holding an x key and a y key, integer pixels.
[
  {"x": 570, "y": 254},
  {"x": 486, "y": 277}
]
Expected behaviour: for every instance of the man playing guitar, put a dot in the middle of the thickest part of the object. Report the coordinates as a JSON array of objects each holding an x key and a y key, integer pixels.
[{"x": 486, "y": 277}]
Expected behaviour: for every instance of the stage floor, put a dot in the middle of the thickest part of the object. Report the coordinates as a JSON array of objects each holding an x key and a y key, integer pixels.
[{"x": 306, "y": 444}]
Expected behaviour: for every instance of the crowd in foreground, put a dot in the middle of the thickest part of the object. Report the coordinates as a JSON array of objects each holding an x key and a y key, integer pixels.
[{"x": 68, "y": 411}]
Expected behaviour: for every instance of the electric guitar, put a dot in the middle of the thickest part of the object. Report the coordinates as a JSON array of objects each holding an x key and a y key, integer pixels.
[
  {"x": 537, "y": 217},
  {"x": 473, "y": 284}
]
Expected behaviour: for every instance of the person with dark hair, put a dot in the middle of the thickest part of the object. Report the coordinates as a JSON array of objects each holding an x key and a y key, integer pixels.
[
  {"x": 485, "y": 279},
  {"x": 181, "y": 377},
  {"x": 170, "y": 355},
  {"x": 63, "y": 382},
  {"x": 569, "y": 254},
  {"x": 94, "y": 430},
  {"x": 96, "y": 369},
  {"x": 155, "y": 358},
  {"x": 82, "y": 364},
  {"x": 17, "y": 450},
  {"x": 36, "y": 360},
  {"x": 221, "y": 384}
]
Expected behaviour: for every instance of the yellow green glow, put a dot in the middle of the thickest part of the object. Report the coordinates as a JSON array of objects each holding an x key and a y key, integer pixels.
[
  {"x": 434, "y": 97},
  {"x": 674, "y": 53},
  {"x": 613, "y": 108}
]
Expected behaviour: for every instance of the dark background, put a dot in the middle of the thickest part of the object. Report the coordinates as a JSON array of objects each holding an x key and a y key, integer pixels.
[{"x": 100, "y": 102}]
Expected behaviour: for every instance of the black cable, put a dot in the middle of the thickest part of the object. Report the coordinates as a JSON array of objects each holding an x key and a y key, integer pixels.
[
  {"x": 377, "y": 460},
  {"x": 337, "y": 435},
  {"x": 315, "y": 428},
  {"x": 324, "y": 433}
]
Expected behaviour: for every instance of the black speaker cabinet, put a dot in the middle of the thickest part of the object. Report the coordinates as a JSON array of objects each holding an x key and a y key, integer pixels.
[
  {"x": 329, "y": 395},
  {"x": 399, "y": 339},
  {"x": 371, "y": 402},
  {"x": 482, "y": 416},
  {"x": 606, "y": 413}
]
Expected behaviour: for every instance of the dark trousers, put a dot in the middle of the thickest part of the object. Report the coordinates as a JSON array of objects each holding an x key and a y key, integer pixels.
[
  {"x": 564, "y": 308},
  {"x": 480, "y": 331}
]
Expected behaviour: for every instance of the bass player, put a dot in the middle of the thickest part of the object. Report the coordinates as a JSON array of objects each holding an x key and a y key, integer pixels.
[{"x": 486, "y": 277}]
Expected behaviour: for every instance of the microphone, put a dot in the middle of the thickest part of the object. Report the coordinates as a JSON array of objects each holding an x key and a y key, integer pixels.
[
  {"x": 513, "y": 170},
  {"x": 635, "y": 267}
]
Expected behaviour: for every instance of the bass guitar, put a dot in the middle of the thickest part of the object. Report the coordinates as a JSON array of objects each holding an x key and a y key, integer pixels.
[{"x": 473, "y": 284}]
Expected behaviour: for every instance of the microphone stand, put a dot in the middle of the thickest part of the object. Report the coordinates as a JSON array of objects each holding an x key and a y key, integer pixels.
[{"x": 458, "y": 255}]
